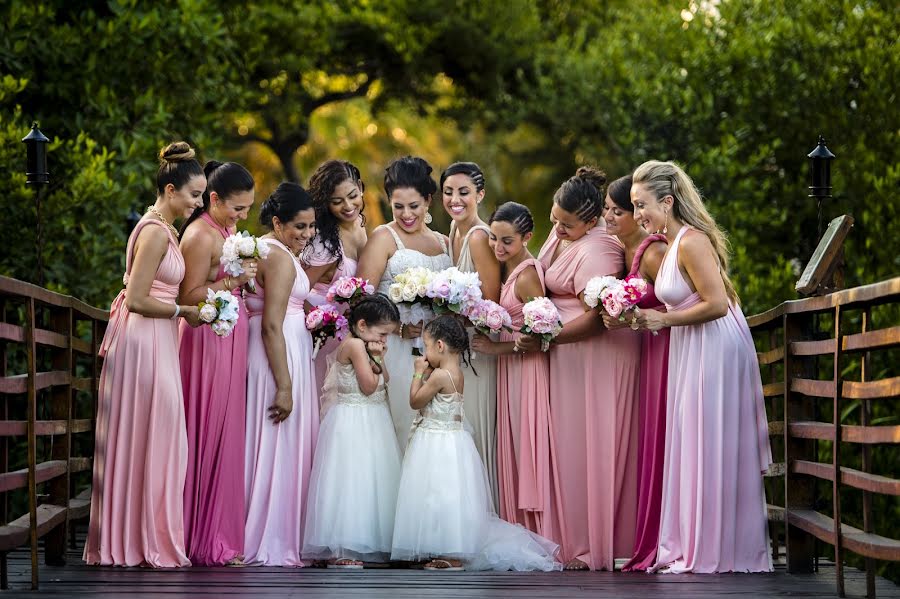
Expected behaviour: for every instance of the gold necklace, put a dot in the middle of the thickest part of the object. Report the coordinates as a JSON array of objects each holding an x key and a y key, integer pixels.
[{"x": 159, "y": 215}]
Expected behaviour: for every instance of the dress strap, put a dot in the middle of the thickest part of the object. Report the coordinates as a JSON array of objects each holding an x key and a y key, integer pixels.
[
  {"x": 451, "y": 381},
  {"x": 133, "y": 238},
  {"x": 443, "y": 242},
  {"x": 212, "y": 223},
  {"x": 639, "y": 254},
  {"x": 396, "y": 237}
]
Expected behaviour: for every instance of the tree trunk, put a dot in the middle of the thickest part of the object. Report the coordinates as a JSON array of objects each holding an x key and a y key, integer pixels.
[{"x": 286, "y": 153}]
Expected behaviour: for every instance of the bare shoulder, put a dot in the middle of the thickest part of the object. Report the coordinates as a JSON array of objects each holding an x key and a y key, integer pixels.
[
  {"x": 198, "y": 236},
  {"x": 529, "y": 276},
  {"x": 695, "y": 247},
  {"x": 154, "y": 237},
  {"x": 653, "y": 256}
]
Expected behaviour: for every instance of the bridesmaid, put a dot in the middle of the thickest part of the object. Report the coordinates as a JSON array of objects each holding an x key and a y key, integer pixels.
[
  {"x": 282, "y": 403},
  {"x": 523, "y": 380},
  {"x": 337, "y": 193},
  {"x": 141, "y": 447},
  {"x": 717, "y": 444},
  {"x": 644, "y": 253},
  {"x": 462, "y": 187},
  {"x": 214, "y": 375},
  {"x": 593, "y": 386}
]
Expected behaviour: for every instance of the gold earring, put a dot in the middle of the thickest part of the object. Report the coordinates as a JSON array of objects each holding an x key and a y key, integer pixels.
[{"x": 666, "y": 225}]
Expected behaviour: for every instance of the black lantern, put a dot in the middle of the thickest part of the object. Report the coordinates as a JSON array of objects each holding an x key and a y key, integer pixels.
[
  {"x": 131, "y": 220},
  {"x": 821, "y": 158},
  {"x": 36, "y": 144}
]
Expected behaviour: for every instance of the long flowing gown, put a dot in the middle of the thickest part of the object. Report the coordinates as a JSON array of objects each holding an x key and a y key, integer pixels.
[
  {"x": 652, "y": 428},
  {"x": 717, "y": 443},
  {"x": 137, "y": 506},
  {"x": 398, "y": 357},
  {"x": 320, "y": 256},
  {"x": 481, "y": 388},
  {"x": 593, "y": 412},
  {"x": 350, "y": 511},
  {"x": 523, "y": 421},
  {"x": 444, "y": 506},
  {"x": 279, "y": 456},
  {"x": 214, "y": 380}
]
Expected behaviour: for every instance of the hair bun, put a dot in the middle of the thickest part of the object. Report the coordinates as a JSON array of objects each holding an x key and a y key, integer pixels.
[
  {"x": 179, "y": 151},
  {"x": 592, "y": 175}
]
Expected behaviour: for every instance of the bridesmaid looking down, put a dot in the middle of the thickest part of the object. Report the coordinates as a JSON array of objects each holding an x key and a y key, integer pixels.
[
  {"x": 141, "y": 446},
  {"x": 214, "y": 374},
  {"x": 717, "y": 444},
  {"x": 282, "y": 403}
]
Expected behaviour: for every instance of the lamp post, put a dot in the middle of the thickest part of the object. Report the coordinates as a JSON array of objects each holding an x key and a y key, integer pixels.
[
  {"x": 36, "y": 174},
  {"x": 820, "y": 170}
]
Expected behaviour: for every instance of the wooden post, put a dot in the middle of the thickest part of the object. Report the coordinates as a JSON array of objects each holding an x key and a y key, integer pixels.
[
  {"x": 865, "y": 408},
  {"x": 30, "y": 433},
  {"x": 61, "y": 409},
  {"x": 836, "y": 456}
]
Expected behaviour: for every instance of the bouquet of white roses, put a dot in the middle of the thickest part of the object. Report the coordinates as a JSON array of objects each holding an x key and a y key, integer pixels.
[
  {"x": 452, "y": 290},
  {"x": 240, "y": 247},
  {"x": 410, "y": 292},
  {"x": 220, "y": 311}
]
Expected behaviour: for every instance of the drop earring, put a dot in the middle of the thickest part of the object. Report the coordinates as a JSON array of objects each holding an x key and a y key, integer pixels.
[
  {"x": 666, "y": 225},
  {"x": 428, "y": 218}
]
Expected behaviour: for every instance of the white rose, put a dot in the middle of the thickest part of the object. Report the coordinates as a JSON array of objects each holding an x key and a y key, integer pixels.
[
  {"x": 395, "y": 292},
  {"x": 208, "y": 313},
  {"x": 246, "y": 246},
  {"x": 409, "y": 292}
]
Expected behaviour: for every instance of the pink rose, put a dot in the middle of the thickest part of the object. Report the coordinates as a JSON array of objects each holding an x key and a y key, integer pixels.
[
  {"x": 314, "y": 319},
  {"x": 346, "y": 287}
]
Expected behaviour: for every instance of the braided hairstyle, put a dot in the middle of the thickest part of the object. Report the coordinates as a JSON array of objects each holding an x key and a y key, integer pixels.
[
  {"x": 373, "y": 309},
  {"x": 469, "y": 169},
  {"x": 177, "y": 165},
  {"x": 224, "y": 178},
  {"x": 518, "y": 215},
  {"x": 322, "y": 184},
  {"x": 410, "y": 172},
  {"x": 448, "y": 329},
  {"x": 583, "y": 194}
]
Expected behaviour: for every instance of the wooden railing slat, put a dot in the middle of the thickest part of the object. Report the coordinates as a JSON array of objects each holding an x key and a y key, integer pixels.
[
  {"x": 813, "y": 388},
  {"x": 81, "y": 346},
  {"x": 878, "y": 339},
  {"x": 872, "y": 389},
  {"x": 773, "y": 389},
  {"x": 80, "y": 464},
  {"x": 43, "y": 472},
  {"x": 869, "y": 435},
  {"x": 770, "y": 357},
  {"x": 849, "y": 476},
  {"x": 813, "y": 348},
  {"x": 45, "y": 337},
  {"x": 16, "y": 532},
  {"x": 11, "y": 332}
]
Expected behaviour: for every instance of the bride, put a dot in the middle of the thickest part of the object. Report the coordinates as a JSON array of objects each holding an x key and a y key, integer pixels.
[{"x": 404, "y": 243}]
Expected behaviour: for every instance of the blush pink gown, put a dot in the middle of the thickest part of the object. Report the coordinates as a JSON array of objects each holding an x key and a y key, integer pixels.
[
  {"x": 523, "y": 421},
  {"x": 279, "y": 456},
  {"x": 214, "y": 379},
  {"x": 652, "y": 427},
  {"x": 141, "y": 445},
  {"x": 717, "y": 443},
  {"x": 593, "y": 412}
]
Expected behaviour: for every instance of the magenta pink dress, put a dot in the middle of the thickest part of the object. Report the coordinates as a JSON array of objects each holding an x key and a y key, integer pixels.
[
  {"x": 652, "y": 426},
  {"x": 523, "y": 421},
  {"x": 214, "y": 379},
  {"x": 141, "y": 446},
  {"x": 319, "y": 256},
  {"x": 717, "y": 441},
  {"x": 279, "y": 456},
  {"x": 593, "y": 413}
]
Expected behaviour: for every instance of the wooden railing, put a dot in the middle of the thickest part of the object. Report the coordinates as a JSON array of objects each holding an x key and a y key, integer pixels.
[
  {"x": 808, "y": 349},
  {"x": 49, "y": 374}
]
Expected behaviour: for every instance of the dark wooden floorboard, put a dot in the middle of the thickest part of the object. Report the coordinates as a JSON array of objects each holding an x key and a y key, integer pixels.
[{"x": 79, "y": 581}]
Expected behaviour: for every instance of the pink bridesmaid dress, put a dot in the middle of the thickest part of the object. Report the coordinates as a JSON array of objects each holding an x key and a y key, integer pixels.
[
  {"x": 717, "y": 443},
  {"x": 141, "y": 445},
  {"x": 279, "y": 456},
  {"x": 593, "y": 412},
  {"x": 652, "y": 427},
  {"x": 214, "y": 379},
  {"x": 523, "y": 421}
]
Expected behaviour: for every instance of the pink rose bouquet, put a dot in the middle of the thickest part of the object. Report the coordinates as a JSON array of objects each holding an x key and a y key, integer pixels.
[
  {"x": 489, "y": 317},
  {"x": 452, "y": 290},
  {"x": 347, "y": 290},
  {"x": 541, "y": 320},
  {"x": 326, "y": 322}
]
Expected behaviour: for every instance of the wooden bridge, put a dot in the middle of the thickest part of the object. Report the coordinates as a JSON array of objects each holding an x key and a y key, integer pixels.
[{"x": 825, "y": 361}]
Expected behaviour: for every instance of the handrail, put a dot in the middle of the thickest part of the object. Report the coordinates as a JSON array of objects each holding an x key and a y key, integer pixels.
[
  {"x": 50, "y": 391},
  {"x": 795, "y": 335}
]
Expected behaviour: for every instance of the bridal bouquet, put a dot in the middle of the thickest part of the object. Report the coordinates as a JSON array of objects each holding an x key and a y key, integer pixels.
[
  {"x": 489, "y": 317},
  {"x": 326, "y": 322},
  {"x": 347, "y": 290},
  {"x": 541, "y": 320},
  {"x": 616, "y": 296},
  {"x": 240, "y": 247},
  {"x": 220, "y": 311},
  {"x": 454, "y": 291}
]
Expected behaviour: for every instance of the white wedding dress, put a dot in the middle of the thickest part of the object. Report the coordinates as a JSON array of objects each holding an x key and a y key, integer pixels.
[
  {"x": 444, "y": 506},
  {"x": 399, "y": 358}
]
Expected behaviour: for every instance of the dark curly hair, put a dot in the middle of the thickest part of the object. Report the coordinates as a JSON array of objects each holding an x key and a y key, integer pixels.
[
  {"x": 322, "y": 184},
  {"x": 448, "y": 329},
  {"x": 373, "y": 309},
  {"x": 410, "y": 172},
  {"x": 469, "y": 169},
  {"x": 583, "y": 194}
]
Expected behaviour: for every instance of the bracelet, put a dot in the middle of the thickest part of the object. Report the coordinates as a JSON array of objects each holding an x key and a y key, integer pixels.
[
  {"x": 377, "y": 360},
  {"x": 177, "y": 312},
  {"x": 227, "y": 281},
  {"x": 401, "y": 330},
  {"x": 418, "y": 375}
]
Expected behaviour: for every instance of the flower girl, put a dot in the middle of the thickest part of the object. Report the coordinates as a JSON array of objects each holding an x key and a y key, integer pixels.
[
  {"x": 356, "y": 470},
  {"x": 444, "y": 507}
]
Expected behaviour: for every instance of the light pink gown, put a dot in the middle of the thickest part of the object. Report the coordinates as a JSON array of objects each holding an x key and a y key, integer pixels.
[
  {"x": 593, "y": 412},
  {"x": 652, "y": 427},
  {"x": 279, "y": 456},
  {"x": 523, "y": 421},
  {"x": 141, "y": 445},
  {"x": 717, "y": 443},
  {"x": 214, "y": 379},
  {"x": 319, "y": 256}
]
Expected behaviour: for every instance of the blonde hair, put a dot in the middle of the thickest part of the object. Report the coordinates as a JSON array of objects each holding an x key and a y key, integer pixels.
[{"x": 667, "y": 178}]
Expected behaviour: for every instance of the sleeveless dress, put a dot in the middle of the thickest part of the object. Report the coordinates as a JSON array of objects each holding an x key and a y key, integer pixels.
[
  {"x": 214, "y": 379},
  {"x": 593, "y": 412},
  {"x": 137, "y": 503},
  {"x": 717, "y": 441},
  {"x": 523, "y": 421},
  {"x": 444, "y": 506},
  {"x": 481, "y": 407},
  {"x": 398, "y": 357},
  {"x": 355, "y": 474},
  {"x": 319, "y": 256},
  {"x": 652, "y": 427},
  {"x": 279, "y": 456}
]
